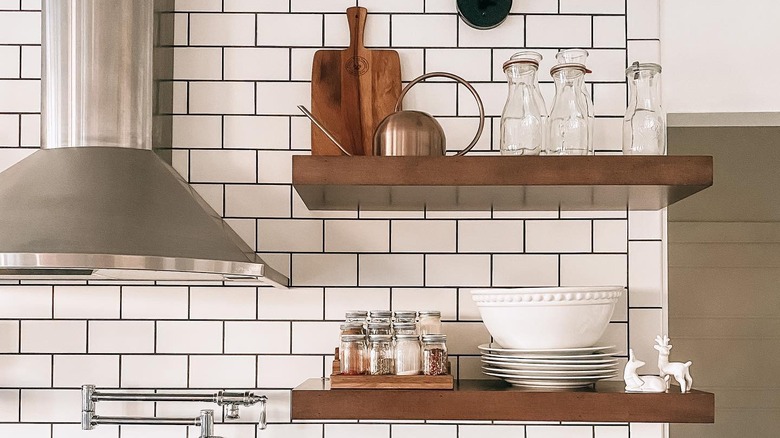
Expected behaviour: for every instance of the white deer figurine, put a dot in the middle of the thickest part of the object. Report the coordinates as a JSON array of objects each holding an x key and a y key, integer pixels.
[
  {"x": 680, "y": 371},
  {"x": 636, "y": 383}
]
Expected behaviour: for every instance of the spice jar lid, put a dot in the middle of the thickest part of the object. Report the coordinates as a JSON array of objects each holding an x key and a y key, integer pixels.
[
  {"x": 407, "y": 337},
  {"x": 434, "y": 337},
  {"x": 351, "y": 325},
  {"x": 380, "y": 338},
  {"x": 356, "y": 314},
  {"x": 352, "y": 338},
  {"x": 381, "y": 314},
  {"x": 379, "y": 325},
  {"x": 404, "y": 325},
  {"x": 430, "y": 313},
  {"x": 405, "y": 313}
]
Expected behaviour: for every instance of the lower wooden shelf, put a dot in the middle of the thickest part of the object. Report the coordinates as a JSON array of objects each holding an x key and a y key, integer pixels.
[{"x": 497, "y": 400}]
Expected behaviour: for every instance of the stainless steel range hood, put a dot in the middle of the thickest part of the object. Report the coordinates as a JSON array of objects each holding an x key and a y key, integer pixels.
[{"x": 97, "y": 201}]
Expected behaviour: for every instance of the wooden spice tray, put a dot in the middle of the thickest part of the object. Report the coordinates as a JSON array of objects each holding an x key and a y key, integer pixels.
[{"x": 342, "y": 381}]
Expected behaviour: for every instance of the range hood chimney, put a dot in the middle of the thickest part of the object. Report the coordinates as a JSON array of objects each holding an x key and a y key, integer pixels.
[{"x": 96, "y": 202}]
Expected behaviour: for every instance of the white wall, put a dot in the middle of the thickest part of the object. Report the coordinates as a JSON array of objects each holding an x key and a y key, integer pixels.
[
  {"x": 720, "y": 55},
  {"x": 236, "y": 130}
]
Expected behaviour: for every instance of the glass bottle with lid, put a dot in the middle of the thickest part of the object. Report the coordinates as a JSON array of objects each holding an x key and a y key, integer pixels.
[
  {"x": 430, "y": 322},
  {"x": 524, "y": 115},
  {"x": 352, "y": 355},
  {"x": 569, "y": 130},
  {"x": 644, "y": 126},
  {"x": 381, "y": 355},
  {"x": 435, "y": 360},
  {"x": 407, "y": 355},
  {"x": 580, "y": 56}
]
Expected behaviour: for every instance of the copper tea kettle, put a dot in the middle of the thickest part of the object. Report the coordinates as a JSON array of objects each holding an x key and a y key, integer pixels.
[{"x": 415, "y": 133}]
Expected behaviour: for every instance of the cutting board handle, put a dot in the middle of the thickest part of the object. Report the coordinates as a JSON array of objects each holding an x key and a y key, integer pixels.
[{"x": 356, "y": 16}]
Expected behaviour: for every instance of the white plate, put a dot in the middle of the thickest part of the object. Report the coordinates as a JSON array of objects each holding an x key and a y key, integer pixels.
[
  {"x": 529, "y": 383},
  {"x": 493, "y": 347},
  {"x": 552, "y": 356},
  {"x": 558, "y": 377},
  {"x": 608, "y": 360},
  {"x": 546, "y": 366},
  {"x": 551, "y": 373}
]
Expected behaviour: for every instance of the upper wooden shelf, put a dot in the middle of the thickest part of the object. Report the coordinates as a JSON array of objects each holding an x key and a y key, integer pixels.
[
  {"x": 497, "y": 400},
  {"x": 499, "y": 182}
]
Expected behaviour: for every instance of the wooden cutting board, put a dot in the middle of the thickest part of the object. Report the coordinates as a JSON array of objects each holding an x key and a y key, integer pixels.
[{"x": 352, "y": 90}]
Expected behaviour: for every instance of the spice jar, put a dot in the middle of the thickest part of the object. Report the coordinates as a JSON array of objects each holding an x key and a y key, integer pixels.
[
  {"x": 381, "y": 355},
  {"x": 352, "y": 355},
  {"x": 405, "y": 328},
  {"x": 430, "y": 322},
  {"x": 434, "y": 355},
  {"x": 381, "y": 316},
  {"x": 352, "y": 328},
  {"x": 379, "y": 328},
  {"x": 407, "y": 355},
  {"x": 405, "y": 316},
  {"x": 360, "y": 316}
]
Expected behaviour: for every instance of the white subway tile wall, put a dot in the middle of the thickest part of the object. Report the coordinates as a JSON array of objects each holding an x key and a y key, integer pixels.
[{"x": 241, "y": 67}]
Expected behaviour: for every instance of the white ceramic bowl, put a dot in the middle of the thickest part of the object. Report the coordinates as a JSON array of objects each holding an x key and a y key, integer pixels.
[{"x": 547, "y": 317}]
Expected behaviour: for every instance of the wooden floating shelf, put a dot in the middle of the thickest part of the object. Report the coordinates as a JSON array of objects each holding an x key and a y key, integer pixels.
[
  {"x": 497, "y": 400},
  {"x": 611, "y": 182}
]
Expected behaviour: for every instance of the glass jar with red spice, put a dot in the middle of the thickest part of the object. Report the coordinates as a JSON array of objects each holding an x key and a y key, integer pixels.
[
  {"x": 434, "y": 355},
  {"x": 352, "y": 355}
]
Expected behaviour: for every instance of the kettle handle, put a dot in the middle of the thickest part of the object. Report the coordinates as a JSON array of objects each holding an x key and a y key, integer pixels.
[{"x": 465, "y": 84}]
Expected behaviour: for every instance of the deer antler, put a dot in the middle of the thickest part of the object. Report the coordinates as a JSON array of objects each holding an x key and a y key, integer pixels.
[{"x": 663, "y": 342}]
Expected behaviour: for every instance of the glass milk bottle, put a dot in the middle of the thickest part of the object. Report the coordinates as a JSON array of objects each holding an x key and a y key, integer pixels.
[
  {"x": 580, "y": 56},
  {"x": 569, "y": 131},
  {"x": 524, "y": 114},
  {"x": 644, "y": 126}
]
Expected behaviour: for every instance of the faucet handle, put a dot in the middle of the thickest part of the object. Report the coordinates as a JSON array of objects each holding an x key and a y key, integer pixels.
[{"x": 262, "y": 422}]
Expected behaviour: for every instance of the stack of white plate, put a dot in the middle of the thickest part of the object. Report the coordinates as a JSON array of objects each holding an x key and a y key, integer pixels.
[{"x": 550, "y": 368}]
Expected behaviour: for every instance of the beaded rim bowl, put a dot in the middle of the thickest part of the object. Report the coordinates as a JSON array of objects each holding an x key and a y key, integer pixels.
[
  {"x": 547, "y": 317},
  {"x": 547, "y": 295}
]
